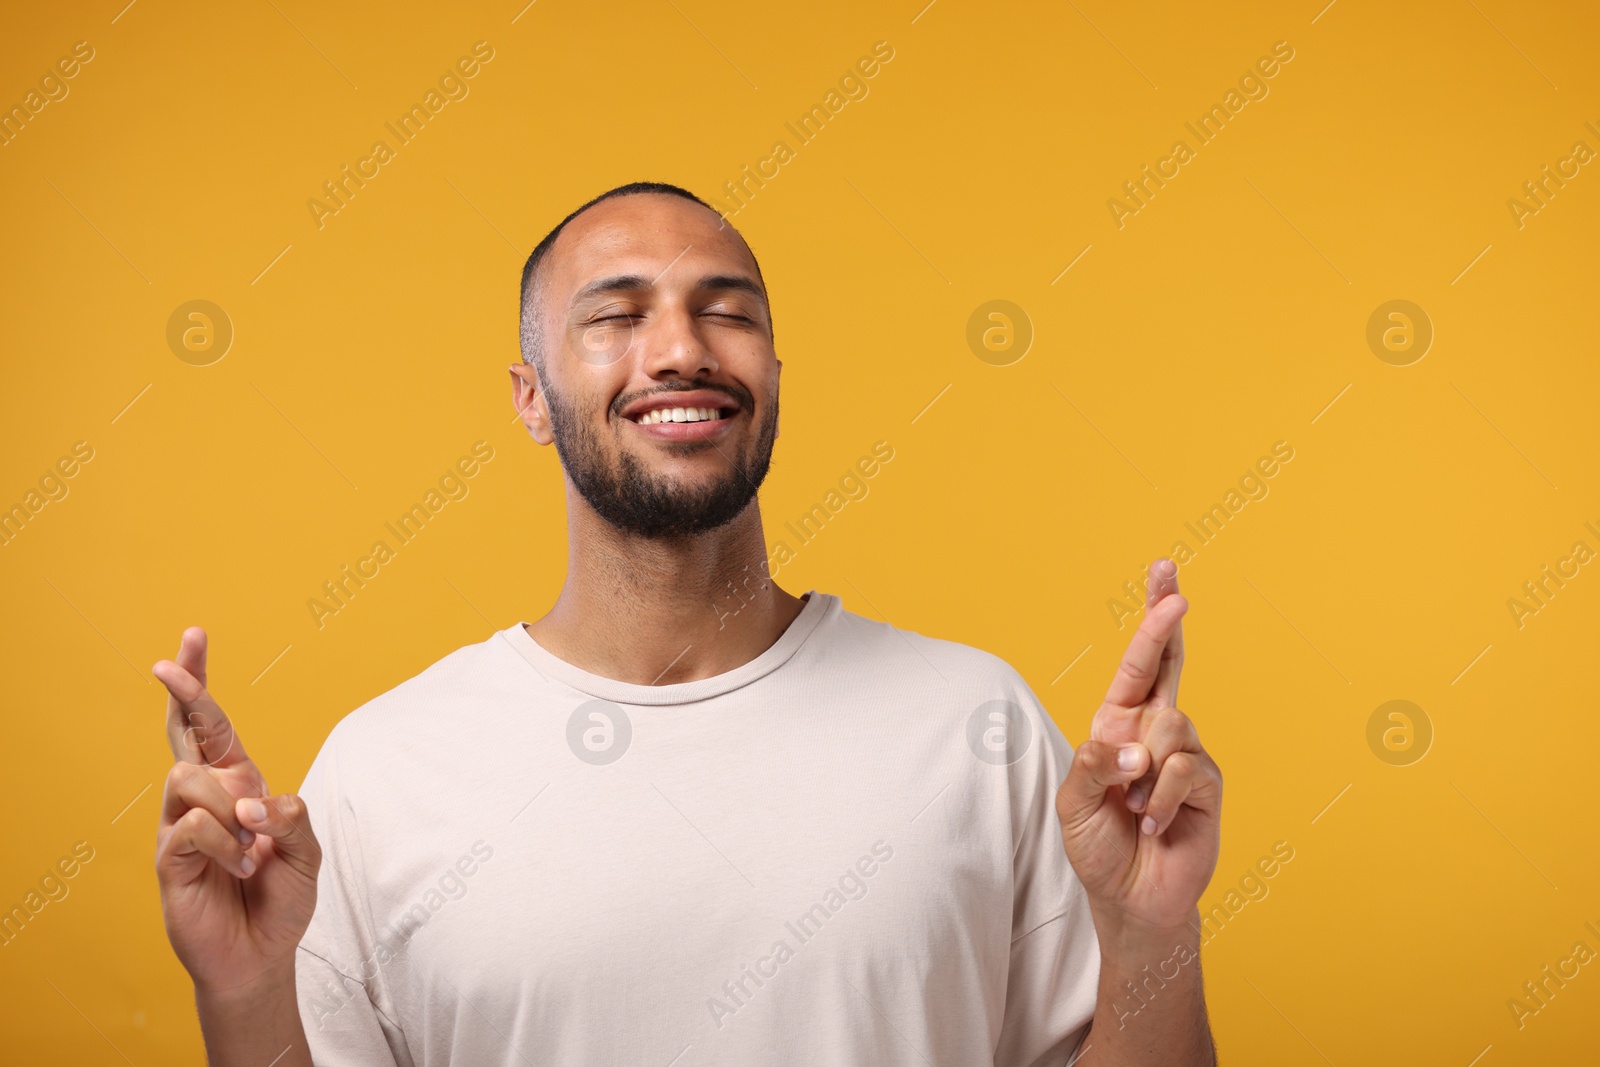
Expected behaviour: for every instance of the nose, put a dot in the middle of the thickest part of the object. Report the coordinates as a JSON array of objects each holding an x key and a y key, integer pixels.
[{"x": 676, "y": 347}]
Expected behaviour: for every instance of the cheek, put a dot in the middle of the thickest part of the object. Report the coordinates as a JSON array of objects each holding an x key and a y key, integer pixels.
[
  {"x": 574, "y": 407},
  {"x": 747, "y": 362},
  {"x": 765, "y": 392},
  {"x": 755, "y": 367},
  {"x": 744, "y": 354}
]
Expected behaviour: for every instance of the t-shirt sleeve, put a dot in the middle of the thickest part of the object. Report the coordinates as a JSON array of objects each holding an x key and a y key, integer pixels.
[
  {"x": 1054, "y": 975},
  {"x": 338, "y": 965}
]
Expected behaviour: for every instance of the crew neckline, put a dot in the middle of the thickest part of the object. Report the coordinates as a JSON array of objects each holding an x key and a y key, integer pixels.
[{"x": 818, "y": 606}]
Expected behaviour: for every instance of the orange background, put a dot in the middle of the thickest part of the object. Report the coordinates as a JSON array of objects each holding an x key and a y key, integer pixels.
[{"x": 1228, "y": 313}]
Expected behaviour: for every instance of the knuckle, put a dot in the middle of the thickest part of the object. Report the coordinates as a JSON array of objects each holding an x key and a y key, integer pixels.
[
  {"x": 1182, "y": 764},
  {"x": 291, "y": 807},
  {"x": 195, "y": 821},
  {"x": 181, "y": 774},
  {"x": 1083, "y": 757},
  {"x": 1134, "y": 671},
  {"x": 1094, "y": 756},
  {"x": 1169, "y": 720}
]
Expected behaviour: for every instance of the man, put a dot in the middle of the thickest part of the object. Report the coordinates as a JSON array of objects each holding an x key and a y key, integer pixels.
[{"x": 686, "y": 817}]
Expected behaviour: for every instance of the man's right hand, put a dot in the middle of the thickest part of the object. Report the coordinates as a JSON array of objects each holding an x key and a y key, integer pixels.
[{"x": 237, "y": 866}]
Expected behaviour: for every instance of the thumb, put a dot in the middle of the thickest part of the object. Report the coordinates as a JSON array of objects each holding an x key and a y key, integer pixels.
[
  {"x": 285, "y": 819},
  {"x": 1096, "y": 767}
]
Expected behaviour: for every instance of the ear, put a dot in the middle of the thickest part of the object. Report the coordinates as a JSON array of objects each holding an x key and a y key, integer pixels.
[
  {"x": 777, "y": 427},
  {"x": 528, "y": 399}
]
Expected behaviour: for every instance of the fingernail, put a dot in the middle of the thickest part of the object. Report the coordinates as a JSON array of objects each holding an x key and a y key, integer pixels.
[
  {"x": 1149, "y": 825},
  {"x": 245, "y": 837},
  {"x": 1128, "y": 757},
  {"x": 1136, "y": 798},
  {"x": 1166, "y": 568},
  {"x": 256, "y": 811},
  {"x": 248, "y": 866}
]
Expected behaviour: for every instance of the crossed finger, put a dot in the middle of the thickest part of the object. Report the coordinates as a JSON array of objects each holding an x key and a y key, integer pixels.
[
  {"x": 1147, "y": 657},
  {"x": 1146, "y": 682},
  {"x": 1163, "y": 582},
  {"x": 198, "y": 731}
]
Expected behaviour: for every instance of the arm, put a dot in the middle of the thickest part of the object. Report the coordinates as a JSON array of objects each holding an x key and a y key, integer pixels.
[
  {"x": 1141, "y": 817},
  {"x": 1151, "y": 1008},
  {"x": 238, "y": 869},
  {"x": 255, "y": 1024}
]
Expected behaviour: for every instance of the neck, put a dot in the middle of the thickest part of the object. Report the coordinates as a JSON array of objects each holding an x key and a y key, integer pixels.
[{"x": 659, "y": 612}]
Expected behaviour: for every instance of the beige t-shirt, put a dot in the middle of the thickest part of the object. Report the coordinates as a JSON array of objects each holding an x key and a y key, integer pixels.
[{"x": 845, "y": 851}]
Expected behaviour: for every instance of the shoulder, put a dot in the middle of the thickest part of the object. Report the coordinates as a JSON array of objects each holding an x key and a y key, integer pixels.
[
  {"x": 962, "y": 669},
  {"x": 961, "y": 689},
  {"x": 428, "y": 713}
]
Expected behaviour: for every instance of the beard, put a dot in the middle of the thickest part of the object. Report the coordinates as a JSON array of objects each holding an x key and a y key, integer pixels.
[{"x": 636, "y": 501}]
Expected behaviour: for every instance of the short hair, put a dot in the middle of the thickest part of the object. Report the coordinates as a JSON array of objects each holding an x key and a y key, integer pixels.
[{"x": 532, "y": 342}]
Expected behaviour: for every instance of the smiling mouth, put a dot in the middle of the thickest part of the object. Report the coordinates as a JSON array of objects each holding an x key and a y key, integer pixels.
[{"x": 706, "y": 414}]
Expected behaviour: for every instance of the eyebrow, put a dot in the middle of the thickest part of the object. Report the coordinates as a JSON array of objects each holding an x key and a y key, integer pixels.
[{"x": 634, "y": 283}]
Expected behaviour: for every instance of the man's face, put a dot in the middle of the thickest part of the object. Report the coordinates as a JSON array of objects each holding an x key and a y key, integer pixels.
[{"x": 649, "y": 303}]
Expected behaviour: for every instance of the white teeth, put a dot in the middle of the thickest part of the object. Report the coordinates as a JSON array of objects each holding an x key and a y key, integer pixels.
[{"x": 656, "y": 415}]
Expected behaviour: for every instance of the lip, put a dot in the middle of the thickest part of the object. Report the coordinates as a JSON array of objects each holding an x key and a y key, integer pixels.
[
  {"x": 686, "y": 431},
  {"x": 698, "y": 398}
]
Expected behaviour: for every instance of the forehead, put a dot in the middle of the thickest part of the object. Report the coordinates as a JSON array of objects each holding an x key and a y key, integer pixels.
[{"x": 644, "y": 233}]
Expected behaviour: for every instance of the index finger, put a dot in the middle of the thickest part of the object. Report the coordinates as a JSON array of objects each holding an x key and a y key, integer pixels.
[
  {"x": 1137, "y": 672},
  {"x": 198, "y": 731},
  {"x": 1164, "y": 694}
]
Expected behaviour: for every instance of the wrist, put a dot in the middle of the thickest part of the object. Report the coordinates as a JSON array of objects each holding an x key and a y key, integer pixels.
[
  {"x": 1122, "y": 935},
  {"x": 236, "y": 997},
  {"x": 253, "y": 1022}
]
